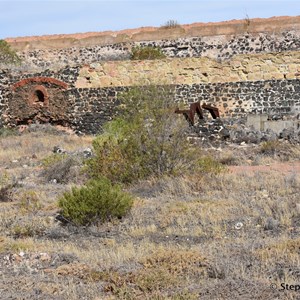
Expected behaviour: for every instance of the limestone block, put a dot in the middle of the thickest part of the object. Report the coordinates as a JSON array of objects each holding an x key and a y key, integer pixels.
[
  {"x": 273, "y": 75},
  {"x": 81, "y": 83},
  {"x": 254, "y": 76},
  {"x": 292, "y": 75},
  {"x": 105, "y": 81},
  {"x": 257, "y": 121},
  {"x": 293, "y": 68},
  {"x": 278, "y": 126}
]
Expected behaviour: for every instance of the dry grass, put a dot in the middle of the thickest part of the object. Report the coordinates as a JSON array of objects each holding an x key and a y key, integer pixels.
[
  {"x": 32, "y": 146},
  {"x": 218, "y": 236}
]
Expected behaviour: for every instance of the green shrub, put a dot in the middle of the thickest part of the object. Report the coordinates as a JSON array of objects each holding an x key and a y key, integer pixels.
[
  {"x": 141, "y": 53},
  {"x": 52, "y": 159},
  {"x": 98, "y": 201},
  {"x": 6, "y": 131},
  {"x": 149, "y": 139},
  {"x": 118, "y": 154},
  {"x": 208, "y": 165},
  {"x": 7, "y": 54}
]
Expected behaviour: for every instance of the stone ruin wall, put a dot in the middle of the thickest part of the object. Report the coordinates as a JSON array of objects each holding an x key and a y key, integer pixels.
[{"x": 237, "y": 69}]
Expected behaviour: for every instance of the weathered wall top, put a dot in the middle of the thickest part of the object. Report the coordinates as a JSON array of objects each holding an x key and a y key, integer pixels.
[{"x": 233, "y": 27}]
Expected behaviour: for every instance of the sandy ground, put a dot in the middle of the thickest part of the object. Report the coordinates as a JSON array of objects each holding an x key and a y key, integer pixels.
[{"x": 283, "y": 168}]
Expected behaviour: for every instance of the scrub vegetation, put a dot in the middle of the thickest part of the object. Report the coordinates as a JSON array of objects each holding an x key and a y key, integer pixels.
[{"x": 147, "y": 215}]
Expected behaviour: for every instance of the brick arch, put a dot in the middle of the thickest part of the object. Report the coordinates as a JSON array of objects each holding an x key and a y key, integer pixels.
[{"x": 39, "y": 80}]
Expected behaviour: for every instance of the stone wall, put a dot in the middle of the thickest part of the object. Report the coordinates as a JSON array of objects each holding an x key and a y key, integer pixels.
[
  {"x": 251, "y": 67},
  {"x": 87, "y": 109},
  {"x": 239, "y": 70},
  {"x": 98, "y": 105},
  {"x": 217, "y": 47},
  {"x": 242, "y": 98}
]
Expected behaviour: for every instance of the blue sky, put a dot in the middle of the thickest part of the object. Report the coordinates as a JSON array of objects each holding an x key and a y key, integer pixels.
[{"x": 26, "y": 18}]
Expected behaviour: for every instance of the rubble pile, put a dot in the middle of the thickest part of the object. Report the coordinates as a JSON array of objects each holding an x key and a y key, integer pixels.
[{"x": 232, "y": 130}]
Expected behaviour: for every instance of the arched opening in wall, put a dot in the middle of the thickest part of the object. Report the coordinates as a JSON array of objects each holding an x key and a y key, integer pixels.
[{"x": 39, "y": 97}]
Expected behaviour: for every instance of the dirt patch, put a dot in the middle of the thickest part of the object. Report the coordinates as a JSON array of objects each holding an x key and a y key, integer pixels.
[{"x": 282, "y": 168}]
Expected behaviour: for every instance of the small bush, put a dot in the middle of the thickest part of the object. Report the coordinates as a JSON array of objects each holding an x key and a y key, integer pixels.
[
  {"x": 147, "y": 140},
  {"x": 5, "y": 132},
  {"x": 170, "y": 24},
  {"x": 98, "y": 201},
  {"x": 7, "y": 54},
  {"x": 29, "y": 201},
  {"x": 53, "y": 159},
  {"x": 141, "y": 53},
  {"x": 60, "y": 168}
]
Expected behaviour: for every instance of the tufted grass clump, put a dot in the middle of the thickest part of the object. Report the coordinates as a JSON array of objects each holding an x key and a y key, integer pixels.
[
  {"x": 208, "y": 165},
  {"x": 29, "y": 202},
  {"x": 276, "y": 148},
  {"x": 6, "y": 131},
  {"x": 269, "y": 147},
  {"x": 61, "y": 168},
  {"x": 96, "y": 202},
  {"x": 148, "y": 52}
]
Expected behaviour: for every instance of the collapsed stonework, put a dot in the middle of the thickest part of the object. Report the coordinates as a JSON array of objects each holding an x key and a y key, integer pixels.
[
  {"x": 218, "y": 132},
  {"x": 78, "y": 82}
]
